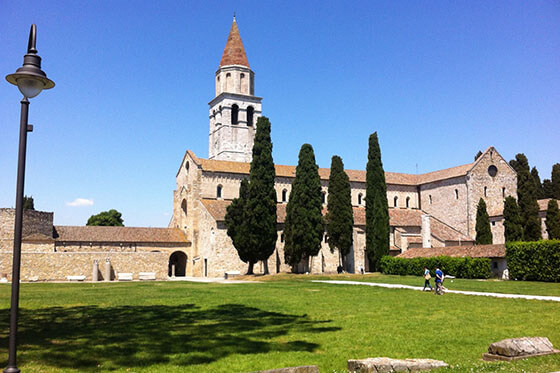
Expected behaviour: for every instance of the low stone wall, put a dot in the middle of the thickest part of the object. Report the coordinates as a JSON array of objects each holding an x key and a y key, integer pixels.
[{"x": 56, "y": 266}]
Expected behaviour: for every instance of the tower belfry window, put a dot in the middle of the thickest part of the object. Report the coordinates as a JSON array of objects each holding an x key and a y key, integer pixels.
[
  {"x": 234, "y": 114},
  {"x": 250, "y": 113}
]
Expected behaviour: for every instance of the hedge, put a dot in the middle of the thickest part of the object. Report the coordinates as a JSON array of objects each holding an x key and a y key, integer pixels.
[
  {"x": 534, "y": 261},
  {"x": 458, "y": 267}
]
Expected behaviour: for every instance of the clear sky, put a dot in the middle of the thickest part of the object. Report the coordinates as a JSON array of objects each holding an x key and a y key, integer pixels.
[{"x": 438, "y": 80}]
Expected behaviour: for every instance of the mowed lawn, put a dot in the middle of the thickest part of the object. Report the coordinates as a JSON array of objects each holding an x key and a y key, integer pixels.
[{"x": 196, "y": 327}]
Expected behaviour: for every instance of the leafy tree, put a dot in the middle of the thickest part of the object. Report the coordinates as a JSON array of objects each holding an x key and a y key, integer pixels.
[
  {"x": 377, "y": 206},
  {"x": 261, "y": 203},
  {"x": 513, "y": 222},
  {"x": 236, "y": 223},
  {"x": 107, "y": 218},
  {"x": 304, "y": 226},
  {"x": 483, "y": 230},
  {"x": 28, "y": 203},
  {"x": 538, "y": 185},
  {"x": 548, "y": 191},
  {"x": 555, "y": 181},
  {"x": 340, "y": 215},
  {"x": 553, "y": 220},
  {"x": 477, "y": 155},
  {"x": 527, "y": 199}
]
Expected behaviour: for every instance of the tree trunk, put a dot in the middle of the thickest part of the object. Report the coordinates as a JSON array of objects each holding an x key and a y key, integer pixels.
[
  {"x": 250, "y": 269},
  {"x": 265, "y": 265}
]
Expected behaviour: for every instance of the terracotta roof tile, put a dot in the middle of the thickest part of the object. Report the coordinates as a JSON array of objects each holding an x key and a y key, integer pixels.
[
  {"x": 543, "y": 204},
  {"x": 234, "y": 52},
  {"x": 477, "y": 251},
  {"x": 118, "y": 234}
]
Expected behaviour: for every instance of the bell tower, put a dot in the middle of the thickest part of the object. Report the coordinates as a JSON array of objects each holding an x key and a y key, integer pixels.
[{"x": 235, "y": 109}]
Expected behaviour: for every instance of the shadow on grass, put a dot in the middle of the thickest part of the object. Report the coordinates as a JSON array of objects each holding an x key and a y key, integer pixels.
[{"x": 126, "y": 336}]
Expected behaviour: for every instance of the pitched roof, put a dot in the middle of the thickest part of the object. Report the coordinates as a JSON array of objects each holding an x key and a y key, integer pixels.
[
  {"x": 234, "y": 53},
  {"x": 395, "y": 178},
  {"x": 118, "y": 234},
  {"x": 397, "y": 217},
  {"x": 477, "y": 251},
  {"x": 543, "y": 204}
]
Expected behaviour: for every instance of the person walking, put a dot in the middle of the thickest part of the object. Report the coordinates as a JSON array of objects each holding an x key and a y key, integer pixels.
[
  {"x": 427, "y": 278},
  {"x": 439, "y": 281}
]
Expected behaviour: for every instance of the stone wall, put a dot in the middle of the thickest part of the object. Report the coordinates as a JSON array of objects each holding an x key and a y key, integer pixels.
[
  {"x": 447, "y": 201},
  {"x": 57, "y": 266},
  {"x": 34, "y": 223},
  {"x": 97, "y": 247}
]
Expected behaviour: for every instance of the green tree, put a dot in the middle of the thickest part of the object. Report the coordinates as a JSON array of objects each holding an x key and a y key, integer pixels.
[
  {"x": 340, "y": 215},
  {"x": 555, "y": 181},
  {"x": 107, "y": 218},
  {"x": 304, "y": 225},
  {"x": 483, "y": 230},
  {"x": 513, "y": 222},
  {"x": 538, "y": 185},
  {"x": 261, "y": 203},
  {"x": 553, "y": 220},
  {"x": 236, "y": 223},
  {"x": 377, "y": 207},
  {"x": 527, "y": 199},
  {"x": 548, "y": 191},
  {"x": 28, "y": 203},
  {"x": 477, "y": 155}
]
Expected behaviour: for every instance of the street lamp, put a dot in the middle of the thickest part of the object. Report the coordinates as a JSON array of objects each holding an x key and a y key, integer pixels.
[{"x": 30, "y": 80}]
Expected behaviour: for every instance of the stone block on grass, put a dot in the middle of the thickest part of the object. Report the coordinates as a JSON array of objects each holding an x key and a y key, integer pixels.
[
  {"x": 519, "y": 348},
  {"x": 301, "y": 369},
  {"x": 387, "y": 365}
]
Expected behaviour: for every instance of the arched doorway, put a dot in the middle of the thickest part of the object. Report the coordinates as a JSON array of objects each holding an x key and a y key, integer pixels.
[{"x": 179, "y": 260}]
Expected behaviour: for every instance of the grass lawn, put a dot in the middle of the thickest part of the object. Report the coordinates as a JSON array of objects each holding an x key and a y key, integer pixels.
[{"x": 196, "y": 327}]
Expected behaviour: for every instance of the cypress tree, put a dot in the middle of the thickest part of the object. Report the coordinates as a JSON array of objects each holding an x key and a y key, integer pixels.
[
  {"x": 304, "y": 226},
  {"x": 261, "y": 201},
  {"x": 553, "y": 220},
  {"x": 340, "y": 215},
  {"x": 513, "y": 222},
  {"x": 236, "y": 223},
  {"x": 555, "y": 181},
  {"x": 28, "y": 203},
  {"x": 377, "y": 206},
  {"x": 477, "y": 155},
  {"x": 547, "y": 188},
  {"x": 527, "y": 199},
  {"x": 483, "y": 230},
  {"x": 538, "y": 185}
]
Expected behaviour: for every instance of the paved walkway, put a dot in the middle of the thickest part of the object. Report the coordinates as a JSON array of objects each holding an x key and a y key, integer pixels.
[{"x": 419, "y": 288}]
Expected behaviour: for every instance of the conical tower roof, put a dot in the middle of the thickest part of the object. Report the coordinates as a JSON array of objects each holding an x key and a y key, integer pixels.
[{"x": 234, "y": 53}]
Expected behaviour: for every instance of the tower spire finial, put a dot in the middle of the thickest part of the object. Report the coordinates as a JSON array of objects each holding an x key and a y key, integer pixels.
[{"x": 233, "y": 16}]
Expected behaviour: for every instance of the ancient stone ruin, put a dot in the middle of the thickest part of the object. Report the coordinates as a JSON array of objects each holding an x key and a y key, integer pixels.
[
  {"x": 519, "y": 348},
  {"x": 385, "y": 364}
]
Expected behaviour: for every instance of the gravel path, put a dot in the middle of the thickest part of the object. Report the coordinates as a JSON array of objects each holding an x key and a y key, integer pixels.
[{"x": 419, "y": 288}]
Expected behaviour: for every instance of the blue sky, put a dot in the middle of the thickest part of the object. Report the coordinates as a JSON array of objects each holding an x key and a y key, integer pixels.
[{"x": 438, "y": 80}]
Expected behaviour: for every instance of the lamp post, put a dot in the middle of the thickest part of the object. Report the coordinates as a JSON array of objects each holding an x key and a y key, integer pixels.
[{"x": 30, "y": 80}]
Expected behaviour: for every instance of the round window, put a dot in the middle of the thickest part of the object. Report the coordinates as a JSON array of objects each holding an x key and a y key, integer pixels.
[{"x": 492, "y": 170}]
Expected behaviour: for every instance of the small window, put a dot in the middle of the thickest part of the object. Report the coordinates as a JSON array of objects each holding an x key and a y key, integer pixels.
[
  {"x": 184, "y": 206},
  {"x": 407, "y": 202},
  {"x": 219, "y": 191},
  {"x": 430, "y": 197},
  {"x": 323, "y": 198},
  {"x": 395, "y": 201},
  {"x": 492, "y": 170},
  {"x": 284, "y": 195},
  {"x": 493, "y": 223},
  {"x": 187, "y": 166},
  {"x": 485, "y": 191},
  {"x": 360, "y": 199},
  {"x": 503, "y": 192},
  {"x": 234, "y": 114},
  {"x": 326, "y": 238},
  {"x": 456, "y": 193},
  {"x": 495, "y": 265},
  {"x": 282, "y": 237},
  {"x": 250, "y": 114}
]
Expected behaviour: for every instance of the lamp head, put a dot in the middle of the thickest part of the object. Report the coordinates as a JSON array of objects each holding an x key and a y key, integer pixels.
[{"x": 29, "y": 78}]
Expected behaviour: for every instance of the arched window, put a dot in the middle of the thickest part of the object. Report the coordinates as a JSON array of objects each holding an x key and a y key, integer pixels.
[
  {"x": 234, "y": 114},
  {"x": 187, "y": 166},
  {"x": 407, "y": 202},
  {"x": 228, "y": 82},
  {"x": 395, "y": 201},
  {"x": 323, "y": 198},
  {"x": 242, "y": 83},
  {"x": 456, "y": 194},
  {"x": 430, "y": 196},
  {"x": 485, "y": 191},
  {"x": 503, "y": 192},
  {"x": 284, "y": 195},
  {"x": 219, "y": 191},
  {"x": 360, "y": 199},
  {"x": 250, "y": 113},
  {"x": 326, "y": 238},
  {"x": 282, "y": 237},
  {"x": 184, "y": 206}
]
